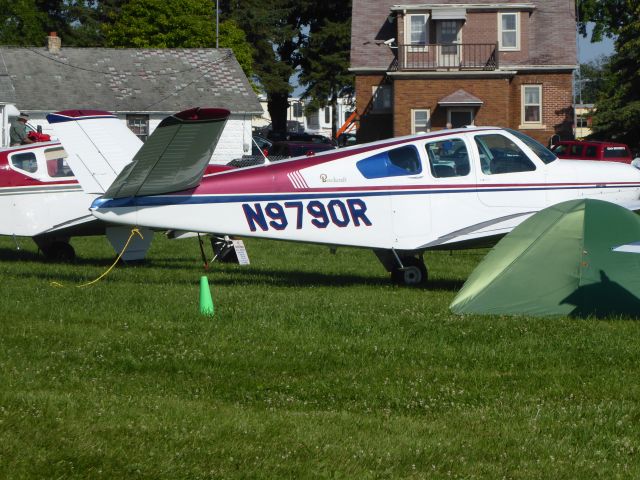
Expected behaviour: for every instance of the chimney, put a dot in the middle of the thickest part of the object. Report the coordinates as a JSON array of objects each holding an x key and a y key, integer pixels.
[{"x": 54, "y": 43}]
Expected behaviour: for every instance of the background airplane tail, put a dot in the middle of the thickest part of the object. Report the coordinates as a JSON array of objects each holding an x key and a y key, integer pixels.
[
  {"x": 174, "y": 157},
  {"x": 99, "y": 146}
]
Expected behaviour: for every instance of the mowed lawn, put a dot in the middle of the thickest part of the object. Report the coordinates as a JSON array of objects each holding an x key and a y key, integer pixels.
[{"x": 314, "y": 366}]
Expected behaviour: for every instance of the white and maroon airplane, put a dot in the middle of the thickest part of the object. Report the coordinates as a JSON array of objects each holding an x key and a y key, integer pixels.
[
  {"x": 399, "y": 197},
  {"x": 40, "y": 196}
]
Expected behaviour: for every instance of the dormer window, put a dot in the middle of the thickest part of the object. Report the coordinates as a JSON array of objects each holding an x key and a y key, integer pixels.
[{"x": 509, "y": 31}]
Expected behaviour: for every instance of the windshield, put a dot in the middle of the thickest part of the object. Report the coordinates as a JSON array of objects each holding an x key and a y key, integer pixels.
[{"x": 546, "y": 155}]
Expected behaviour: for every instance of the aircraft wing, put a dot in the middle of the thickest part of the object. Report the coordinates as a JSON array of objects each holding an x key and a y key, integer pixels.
[
  {"x": 480, "y": 234},
  {"x": 99, "y": 145},
  {"x": 633, "y": 205},
  {"x": 628, "y": 248},
  {"x": 174, "y": 157},
  {"x": 488, "y": 233}
]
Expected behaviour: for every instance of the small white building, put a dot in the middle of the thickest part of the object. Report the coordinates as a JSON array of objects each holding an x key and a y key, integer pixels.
[
  {"x": 318, "y": 122},
  {"x": 140, "y": 86}
]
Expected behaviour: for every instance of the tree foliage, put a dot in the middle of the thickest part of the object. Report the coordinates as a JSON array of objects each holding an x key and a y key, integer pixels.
[
  {"x": 608, "y": 16},
  {"x": 296, "y": 36},
  {"x": 22, "y": 23},
  {"x": 163, "y": 24},
  {"x": 617, "y": 113},
  {"x": 325, "y": 57},
  {"x": 274, "y": 30},
  {"x": 592, "y": 80}
]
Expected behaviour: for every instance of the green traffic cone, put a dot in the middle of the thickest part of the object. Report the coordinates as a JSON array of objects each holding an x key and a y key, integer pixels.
[{"x": 206, "y": 303}]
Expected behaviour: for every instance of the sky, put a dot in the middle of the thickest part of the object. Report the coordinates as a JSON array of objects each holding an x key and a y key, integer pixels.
[{"x": 588, "y": 51}]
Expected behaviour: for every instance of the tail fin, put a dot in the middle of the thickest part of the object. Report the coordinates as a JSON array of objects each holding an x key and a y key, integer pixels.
[
  {"x": 98, "y": 143},
  {"x": 174, "y": 157}
]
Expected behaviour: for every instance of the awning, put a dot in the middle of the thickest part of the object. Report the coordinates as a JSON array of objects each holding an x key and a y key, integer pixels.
[
  {"x": 460, "y": 98},
  {"x": 449, "y": 14}
]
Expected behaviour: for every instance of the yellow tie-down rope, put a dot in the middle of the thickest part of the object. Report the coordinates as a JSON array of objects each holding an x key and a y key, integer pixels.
[{"x": 134, "y": 231}]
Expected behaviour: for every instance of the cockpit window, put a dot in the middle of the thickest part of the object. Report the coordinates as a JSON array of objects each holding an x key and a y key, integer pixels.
[
  {"x": 448, "y": 158},
  {"x": 543, "y": 153},
  {"x": 25, "y": 161},
  {"x": 392, "y": 163},
  {"x": 499, "y": 154},
  {"x": 56, "y": 164}
]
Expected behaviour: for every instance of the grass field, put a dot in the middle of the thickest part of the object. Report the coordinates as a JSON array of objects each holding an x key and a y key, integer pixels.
[{"x": 314, "y": 366}]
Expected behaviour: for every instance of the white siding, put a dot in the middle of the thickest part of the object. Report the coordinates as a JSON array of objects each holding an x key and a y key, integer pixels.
[{"x": 235, "y": 140}]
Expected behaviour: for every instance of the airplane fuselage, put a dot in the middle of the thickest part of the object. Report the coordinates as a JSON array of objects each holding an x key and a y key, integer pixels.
[
  {"x": 38, "y": 192},
  {"x": 442, "y": 190}
]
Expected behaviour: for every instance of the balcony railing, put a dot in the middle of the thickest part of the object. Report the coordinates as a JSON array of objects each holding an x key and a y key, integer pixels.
[{"x": 458, "y": 56}]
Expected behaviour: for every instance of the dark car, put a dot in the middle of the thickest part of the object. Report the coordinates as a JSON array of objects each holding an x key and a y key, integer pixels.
[
  {"x": 298, "y": 137},
  {"x": 280, "y": 150},
  {"x": 592, "y": 150},
  {"x": 259, "y": 144}
]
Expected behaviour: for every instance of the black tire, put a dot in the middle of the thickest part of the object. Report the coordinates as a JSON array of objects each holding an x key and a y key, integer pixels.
[
  {"x": 414, "y": 272},
  {"x": 59, "y": 252}
]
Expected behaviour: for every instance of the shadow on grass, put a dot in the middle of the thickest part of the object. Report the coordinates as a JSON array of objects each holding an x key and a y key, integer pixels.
[
  {"x": 229, "y": 275},
  {"x": 23, "y": 255},
  {"x": 297, "y": 278}
]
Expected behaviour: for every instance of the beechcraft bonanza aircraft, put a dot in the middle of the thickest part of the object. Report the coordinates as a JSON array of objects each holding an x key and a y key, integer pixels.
[{"x": 399, "y": 197}]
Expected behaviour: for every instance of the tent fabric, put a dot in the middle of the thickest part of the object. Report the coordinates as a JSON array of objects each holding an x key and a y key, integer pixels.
[{"x": 560, "y": 261}]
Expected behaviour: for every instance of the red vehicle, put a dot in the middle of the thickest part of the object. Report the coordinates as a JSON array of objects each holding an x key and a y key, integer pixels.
[{"x": 593, "y": 150}]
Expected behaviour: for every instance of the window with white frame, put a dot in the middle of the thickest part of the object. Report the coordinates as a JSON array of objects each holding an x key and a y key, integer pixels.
[
  {"x": 417, "y": 31},
  {"x": 139, "y": 124},
  {"x": 297, "y": 109},
  {"x": 508, "y": 30},
  {"x": 532, "y": 104},
  {"x": 420, "y": 121},
  {"x": 327, "y": 115},
  {"x": 381, "y": 102}
]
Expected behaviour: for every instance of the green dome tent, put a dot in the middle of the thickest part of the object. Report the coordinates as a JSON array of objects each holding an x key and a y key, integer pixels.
[{"x": 560, "y": 262}]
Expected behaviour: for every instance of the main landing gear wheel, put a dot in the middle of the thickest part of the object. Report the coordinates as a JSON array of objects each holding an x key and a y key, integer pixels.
[
  {"x": 59, "y": 252},
  {"x": 413, "y": 273}
]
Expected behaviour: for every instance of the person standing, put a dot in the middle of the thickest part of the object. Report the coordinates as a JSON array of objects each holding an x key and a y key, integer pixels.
[{"x": 18, "y": 132}]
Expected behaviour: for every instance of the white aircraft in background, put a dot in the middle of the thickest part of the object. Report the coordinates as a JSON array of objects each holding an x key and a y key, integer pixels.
[
  {"x": 41, "y": 198},
  {"x": 399, "y": 197}
]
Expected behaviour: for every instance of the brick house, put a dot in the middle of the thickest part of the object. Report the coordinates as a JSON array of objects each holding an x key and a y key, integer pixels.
[{"x": 419, "y": 66}]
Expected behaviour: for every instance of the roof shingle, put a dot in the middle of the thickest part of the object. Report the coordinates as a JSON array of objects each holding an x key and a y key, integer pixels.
[{"x": 122, "y": 80}]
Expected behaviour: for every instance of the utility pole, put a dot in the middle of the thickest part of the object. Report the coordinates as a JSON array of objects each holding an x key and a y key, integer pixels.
[{"x": 217, "y": 21}]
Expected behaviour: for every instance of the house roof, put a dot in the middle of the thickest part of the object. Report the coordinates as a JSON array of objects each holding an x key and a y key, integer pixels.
[
  {"x": 551, "y": 36},
  {"x": 124, "y": 80},
  {"x": 7, "y": 92},
  {"x": 460, "y": 98}
]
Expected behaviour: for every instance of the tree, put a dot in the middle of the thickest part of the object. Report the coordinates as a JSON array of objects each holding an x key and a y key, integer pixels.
[
  {"x": 163, "y": 24},
  {"x": 28, "y": 22},
  {"x": 592, "y": 80},
  {"x": 325, "y": 58},
  {"x": 274, "y": 29},
  {"x": 21, "y": 23},
  {"x": 617, "y": 113}
]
